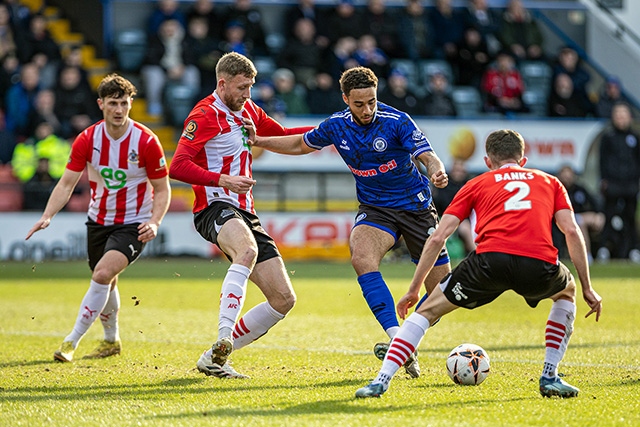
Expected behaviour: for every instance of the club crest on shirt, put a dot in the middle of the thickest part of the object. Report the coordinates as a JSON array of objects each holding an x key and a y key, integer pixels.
[
  {"x": 133, "y": 157},
  {"x": 379, "y": 144},
  {"x": 417, "y": 135},
  {"x": 190, "y": 130}
]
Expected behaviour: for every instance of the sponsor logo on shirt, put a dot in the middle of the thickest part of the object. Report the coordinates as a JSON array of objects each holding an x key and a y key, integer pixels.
[{"x": 361, "y": 217}]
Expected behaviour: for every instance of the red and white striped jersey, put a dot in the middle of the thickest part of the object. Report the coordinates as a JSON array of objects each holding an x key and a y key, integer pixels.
[
  {"x": 215, "y": 140},
  {"x": 119, "y": 172}
]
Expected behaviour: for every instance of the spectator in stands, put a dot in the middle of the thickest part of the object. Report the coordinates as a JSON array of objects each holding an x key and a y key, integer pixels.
[
  {"x": 323, "y": 96},
  {"x": 473, "y": 58},
  {"x": 265, "y": 97},
  {"x": 234, "y": 40},
  {"x": 381, "y": 22},
  {"x": 20, "y": 14},
  {"x": 587, "y": 209},
  {"x": 205, "y": 9},
  {"x": 503, "y": 87},
  {"x": 520, "y": 33},
  {"x": 479, "y": 16},
  {"x": 72, "y": 57},
  {"x": 344, "y": 21},
  {"x": 448, "y": 30},
  {"x": 564, "y": 101},
  {"x": 397, "y": 94},
  {"x": 8, "y": 36},
  {"x": 44, "y": 144},
  {"x": 458, "y": 177},
  {"x": 20, "y": 100},
  {"x": 415, "y": 32},
  {"x": 568, "y": 62},
  {"x": 302, "y": 54},
  {"x": 165, "y": 63},
  {"x": 340, "y": 57},
  {"x": 610, "y": 95},
  {"x": 438, "y": 101},
  {"x": 9, "y": 75},
  {"x": 45, "y": 112},
  {"x": 251, "y": 19},
  {"x": 37, "y": 190},
  {"x": 166, "y": 10},
  {"x": 293, "y": 94},
  {"x": 369, "y": 55},
  {"x": 201, "y": 50},
  {"x": 75, "y": 104},
  {"x": 620, "y": 179},
  {"x": 40, "y": 48},
  {"x": 306, "y": 9}
]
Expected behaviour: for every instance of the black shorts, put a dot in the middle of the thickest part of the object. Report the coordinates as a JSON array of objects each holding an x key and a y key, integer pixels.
[
  {"x": 218, "y": 213},
  {"x": 414, "y": 226},
  {"x": 481, "y": 278},
  {"x": 103, "y": 238}
]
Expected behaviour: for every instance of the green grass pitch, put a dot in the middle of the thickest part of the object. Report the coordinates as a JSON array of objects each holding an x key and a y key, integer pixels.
[{"x": 305, "y": 371}]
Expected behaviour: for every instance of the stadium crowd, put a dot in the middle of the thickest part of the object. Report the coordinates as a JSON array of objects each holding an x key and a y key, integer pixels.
[{"x": 420, "y": 54}]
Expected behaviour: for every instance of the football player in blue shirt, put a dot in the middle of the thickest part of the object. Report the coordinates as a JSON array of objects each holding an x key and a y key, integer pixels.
[{"x": 379, "y": 144}]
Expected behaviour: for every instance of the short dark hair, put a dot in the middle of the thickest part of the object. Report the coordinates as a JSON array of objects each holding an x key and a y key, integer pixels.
[
  {"x": 232, "y": 64},
  {"x": 357, "y": 78},
  {"x": 504, "y": 144},
  {"x": 115, "y": 86}
]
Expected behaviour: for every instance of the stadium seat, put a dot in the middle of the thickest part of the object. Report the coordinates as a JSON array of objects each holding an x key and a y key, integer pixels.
[
  {"x": 130, "y": 49},
  {"x": 536, "y": 75},
  {"x": 409, "y": 69},
  {"x": 11, "y": 196},
  {"x": 178, "y": 100},
  {"x": 467, "y": 100},
  {"x": 265, "y": 65},
  {"x": 536, "y": 100},
  {"x": 426, "y": 67}
]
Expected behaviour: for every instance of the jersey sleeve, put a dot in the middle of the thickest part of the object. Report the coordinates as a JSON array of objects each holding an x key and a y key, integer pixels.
[
  {"x": 462, "y": 202},
  {"x": 412, "y": 137},
  {"x": 155, "y": 162},
  {"x": 267, "y": 126},
  {"x": 562, "y": 199},
  {"x": 198, "y": 130},
  {"x": 319, "y": 137},
  {"x": 80, "y": 153}
]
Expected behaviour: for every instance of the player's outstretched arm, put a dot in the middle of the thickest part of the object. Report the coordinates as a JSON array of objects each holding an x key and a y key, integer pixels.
[
  {"x": 147, "y": 231},
  {"x": 58, "y": 199},
  {"x": 430, "y": 252},
  {"x": 289, "y": 144},
  {"x": 435, "y": 169},
  {"x": 578, "y": 252}
]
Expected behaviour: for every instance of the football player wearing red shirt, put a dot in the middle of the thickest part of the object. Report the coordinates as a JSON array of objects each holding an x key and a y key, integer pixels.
[
  {"x": 514, "y": 208},
  {"x": 130, "y": 195},
  {"x": 214, "y": 156}
]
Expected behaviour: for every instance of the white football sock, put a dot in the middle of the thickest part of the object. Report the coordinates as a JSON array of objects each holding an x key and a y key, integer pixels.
[
  {"x": 254, "y": 324},
  {"x": 92, "y": 305},
  {"x": 109, "y": 316},
  {"x": 403, "y": 344},
  {"x": 392, "y": 331},
  {"x": 232, "y": 298},
  {"x": 557, "y": 335}
]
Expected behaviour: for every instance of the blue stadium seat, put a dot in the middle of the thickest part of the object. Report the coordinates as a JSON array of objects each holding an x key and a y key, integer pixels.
[
  {"x": 536, "y": 75},
  {"x": 467, "y": 100},
  {"x": 427, "y": 67},
  {"x": 130, "y": 49},
  {"x": 178, "y": 100},
  {"x": 536, "y": 100}
]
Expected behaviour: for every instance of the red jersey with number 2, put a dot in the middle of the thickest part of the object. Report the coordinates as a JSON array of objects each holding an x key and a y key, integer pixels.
[
  {"x": 119, "y": 172},
  {"x": 513, "y": 209}
]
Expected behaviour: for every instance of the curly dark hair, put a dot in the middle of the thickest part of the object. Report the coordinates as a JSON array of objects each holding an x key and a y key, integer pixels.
[
  {"x": 357, "y": 78},
  {"x": 116, "y": 86}
]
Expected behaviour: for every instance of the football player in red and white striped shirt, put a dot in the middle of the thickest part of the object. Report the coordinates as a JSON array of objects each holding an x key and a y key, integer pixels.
[
  {"x": 514, "y": 208},
  {"x": 130, "y": 195},
  {"x": 214, "y": 156}
]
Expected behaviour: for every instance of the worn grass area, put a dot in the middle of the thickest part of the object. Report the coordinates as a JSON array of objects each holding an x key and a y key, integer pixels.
[{"x": 306, "y": 370}]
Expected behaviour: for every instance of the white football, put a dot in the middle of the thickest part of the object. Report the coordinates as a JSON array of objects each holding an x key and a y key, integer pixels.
[{"x": 468, "y": 364}]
